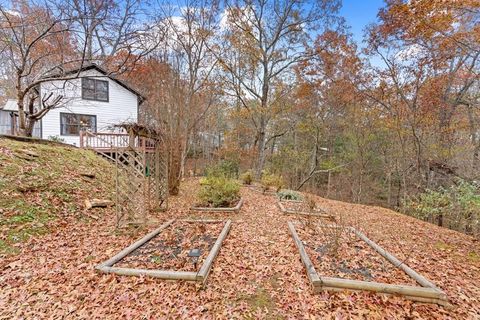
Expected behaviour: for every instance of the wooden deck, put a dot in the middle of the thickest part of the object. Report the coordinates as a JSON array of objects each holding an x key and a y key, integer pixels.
[{"x": 109, "y": 142}]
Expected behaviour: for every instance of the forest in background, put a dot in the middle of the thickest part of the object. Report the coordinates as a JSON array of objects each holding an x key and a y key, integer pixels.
[{"x": 281, "y": 87}]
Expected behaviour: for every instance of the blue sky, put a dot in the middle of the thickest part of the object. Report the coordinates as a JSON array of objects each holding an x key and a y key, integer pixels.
[{"x": 360, "y": 13}]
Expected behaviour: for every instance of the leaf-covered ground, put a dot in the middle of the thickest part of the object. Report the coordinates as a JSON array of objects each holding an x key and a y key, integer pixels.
[
  {"x": 257, "y": 274},
  {"x": 301, "y": 207}
]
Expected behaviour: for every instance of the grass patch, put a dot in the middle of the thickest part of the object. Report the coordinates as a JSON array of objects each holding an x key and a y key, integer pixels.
[
  {"x": 263, "y": 301},
  {"x": 7, "y": 249},
  {"x": 473, "y": 256},
  {"x": 443, "y": 246}
]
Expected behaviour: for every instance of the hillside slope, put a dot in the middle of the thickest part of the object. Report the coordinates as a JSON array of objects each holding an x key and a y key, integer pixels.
[
  {"x": 44, "y": 184},
  {"x": 257, "y": 274}
]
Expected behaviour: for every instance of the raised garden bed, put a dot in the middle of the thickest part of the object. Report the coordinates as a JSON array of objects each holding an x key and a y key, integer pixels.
[
  {"x": 236, "y": 208},
  {"x": 300, "y": 207},
  {"x": 164, "y": 252},
  {"x": 347, "y": 260}
]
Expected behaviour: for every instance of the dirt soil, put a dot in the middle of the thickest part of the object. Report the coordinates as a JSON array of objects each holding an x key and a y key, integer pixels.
[
  {"x": 169, "y": 249},
  {"x": 257, "y": 274}
]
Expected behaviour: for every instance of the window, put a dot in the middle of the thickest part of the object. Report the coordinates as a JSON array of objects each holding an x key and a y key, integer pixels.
[
  {"x": 94, "y": 89},
  {"x": 71, "y": 124}
]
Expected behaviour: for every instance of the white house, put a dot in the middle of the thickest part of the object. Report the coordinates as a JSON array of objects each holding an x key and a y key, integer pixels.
[{"x": 93, "y": 102}]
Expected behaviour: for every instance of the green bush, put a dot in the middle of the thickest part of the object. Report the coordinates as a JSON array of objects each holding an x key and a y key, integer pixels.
[
  {"x": 219, "y": 192},
  {"x": 289, "y": 195},
  {"x": 56, "y": 139},
  {"x": 247, "y": 177},
  {"x": 225, "y": 168},
  {"x": 457, "y": 207},
  {"x": 203, "y": 181},
  {"x": 271, "y": 180}
]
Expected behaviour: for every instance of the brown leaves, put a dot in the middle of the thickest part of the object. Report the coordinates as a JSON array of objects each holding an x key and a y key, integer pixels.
[{"x": 257, "y": 273}]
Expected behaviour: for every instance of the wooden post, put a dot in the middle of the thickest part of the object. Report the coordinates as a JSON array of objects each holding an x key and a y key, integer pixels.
[{"x": 81, "y": 139}]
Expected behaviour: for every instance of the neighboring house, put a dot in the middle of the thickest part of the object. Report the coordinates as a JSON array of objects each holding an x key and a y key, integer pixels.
[
  {"x": 9, "y": 120},
  {"x": 94, "y": 102}
]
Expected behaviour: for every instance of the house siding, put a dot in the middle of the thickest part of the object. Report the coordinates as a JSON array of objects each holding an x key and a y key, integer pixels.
[{"x": 122, "y": 106}]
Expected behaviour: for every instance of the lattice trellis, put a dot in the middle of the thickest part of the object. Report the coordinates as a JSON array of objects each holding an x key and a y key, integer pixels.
[
  {"x": 141, "y": 182},
  {"x": 141, "y": 170}
]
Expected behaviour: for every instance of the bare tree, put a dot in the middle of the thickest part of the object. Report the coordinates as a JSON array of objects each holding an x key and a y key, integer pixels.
[
  {"x": 187, "y": 34},
  {"x": 263, "y": 41},
  {"x": 38, "y": 45},
  {"x": 118, "y": 33},
  {"x": 41, "y": 42}
]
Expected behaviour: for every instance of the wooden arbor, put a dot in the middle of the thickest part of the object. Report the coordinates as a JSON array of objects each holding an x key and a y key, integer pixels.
[{"x": 141, "y": 175}]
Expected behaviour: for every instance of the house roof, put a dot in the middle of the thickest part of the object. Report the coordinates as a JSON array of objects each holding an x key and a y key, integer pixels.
[
  {"x": 10, "y": 105},
  {"x": 93, "y": 66}
]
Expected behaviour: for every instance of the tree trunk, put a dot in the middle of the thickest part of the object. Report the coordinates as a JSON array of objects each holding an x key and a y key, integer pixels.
[
  {"x": 261, "y": 147},
  {"x": 174, "y": 169},
  {"x": 21, "y": 110},
  {"x": 29, "y": 127}
]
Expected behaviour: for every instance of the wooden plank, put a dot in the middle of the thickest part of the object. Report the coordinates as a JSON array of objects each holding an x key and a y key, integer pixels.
[
  {"x": 110, "y": 262},
  {"x": 207, "y": 264},
  {"x": 399, "y": 264},
  {"x": 441, "y": 302},
  {"x": 162, "y": 274},
  {"x": 239, "y": 205},
  {"x": 311, "y": 273},
  {"x": 328, "y": 282}
]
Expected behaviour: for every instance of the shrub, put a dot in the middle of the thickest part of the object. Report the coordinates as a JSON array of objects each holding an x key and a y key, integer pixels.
[
  {"x": 271, "y": 180},
  {"x": 225, "y": 168},
  {"x": 456, "y": 207},
  {"x": 289, "y": 195},
  {"x": 56, "y": 139},
  {"x": 247, "y": 177},
  {"x": 219, "y": 192}
]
